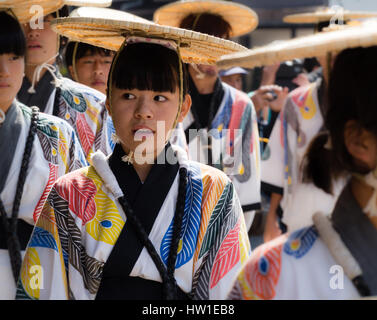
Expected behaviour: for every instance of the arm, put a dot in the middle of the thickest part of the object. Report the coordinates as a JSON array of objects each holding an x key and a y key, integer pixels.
[{"x": 272, "y": 229}]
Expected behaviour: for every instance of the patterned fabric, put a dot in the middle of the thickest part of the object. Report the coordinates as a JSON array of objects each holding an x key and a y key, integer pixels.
[
  {"x": 298, "y": 123},
  {"x": 84, "y": 109},
  {"x": 56, "y": 151},
  {"x": 235, "y": 145},
  {"x": 295, "y": 266},
  {"x": 82, "y": 220}
]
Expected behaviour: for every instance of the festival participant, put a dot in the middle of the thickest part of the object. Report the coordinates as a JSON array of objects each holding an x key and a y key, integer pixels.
[
  {"x": 221, "y": 115},
  {"x": 43, "y": 85},
  {"x": 35, "y": 150},
  {"x": 334, "y": 258},
  {"x": 89, "y": 65},
  {"x": 145, "y": 222}
]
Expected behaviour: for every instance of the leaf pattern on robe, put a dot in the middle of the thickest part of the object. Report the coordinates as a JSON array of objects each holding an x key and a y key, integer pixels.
[
  {"x": 71, "y": 242},
  {"x": 229, "y": 217},
  {"x": 190, "y": 222},
  {"x": 227, "y": 257},
  {"x": 216, "y": 221},
  {"x": 212, "y": 189},
  {"x": 74, "y": 99},
  {"x": 85, "y": 134},
  {"x": 107, "y": 224},
  {"x": 79, "y": 192},
  {"x": 42, "y": 238},
  {"x": 28, "y": 291},
  {"x": 53, "y": 175}
]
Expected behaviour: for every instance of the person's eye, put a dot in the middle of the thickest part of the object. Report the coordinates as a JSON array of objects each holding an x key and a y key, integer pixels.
[
  {"x": 14, "y": 58},
  {"x": 88, "y": 61},
  {"x": 160, "y": 98},
  {"x": 128, "y": 96}
]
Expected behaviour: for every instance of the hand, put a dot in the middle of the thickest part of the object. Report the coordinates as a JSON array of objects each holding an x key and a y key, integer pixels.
[
  {"x": 279, "y": 102},
  {"x": 271, "y": 229},
  {"x": 264, "y": 98},
  {"x": 301, "y": 80}
]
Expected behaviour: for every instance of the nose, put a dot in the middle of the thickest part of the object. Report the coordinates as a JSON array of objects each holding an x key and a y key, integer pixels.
[
  {"x": 98, "y": 68},
  {"x": 143, "y": 110},
  {"x": 4, "y": 70},
  {"x": 30, "y": 32}
]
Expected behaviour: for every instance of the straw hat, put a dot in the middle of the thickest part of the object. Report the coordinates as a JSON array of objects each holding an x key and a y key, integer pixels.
[
  {"x": 22, "y": 8},
  {"x": 88, "y": 25},
  {"x": 241, "y": 18},
  {"x": 323, "y": 15},
  {"x": 363, "y": 35}
]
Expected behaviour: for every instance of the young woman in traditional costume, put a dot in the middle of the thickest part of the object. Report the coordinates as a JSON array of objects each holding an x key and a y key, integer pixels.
[
  {"x": 35, "y": 150},
  {"x": 127, "y": 229},
  {"x": 334, "y": 258},
  {"x": 43, "y": 85}
]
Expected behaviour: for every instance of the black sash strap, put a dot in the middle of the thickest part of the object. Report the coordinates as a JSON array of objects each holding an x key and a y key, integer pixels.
[
  {"x": 10, "y": 225},
  {"x": 24, "y": 231}
]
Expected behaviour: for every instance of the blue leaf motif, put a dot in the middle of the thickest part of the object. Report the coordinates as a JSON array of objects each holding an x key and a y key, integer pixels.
[
  {"x": 43, "y": 238},
  {"x": 190, "y": 220}
]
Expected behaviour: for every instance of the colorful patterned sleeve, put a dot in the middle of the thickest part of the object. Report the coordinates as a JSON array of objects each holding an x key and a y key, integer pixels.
[
  {"x": 43, "y": 273},
  {"x": 223, "y": 244}
]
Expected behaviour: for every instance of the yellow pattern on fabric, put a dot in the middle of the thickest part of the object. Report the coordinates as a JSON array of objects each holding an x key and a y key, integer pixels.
[
  {"x": 247, "y": 292},
  {"x": 92, "y": 113},
  {"x": 309, "y": 109},
  {"x": 31, "y": 259},
  {"x": 244, "y": 244},
  {"x": 63, "y": 149},
  {"x": 107, "y": 223}
]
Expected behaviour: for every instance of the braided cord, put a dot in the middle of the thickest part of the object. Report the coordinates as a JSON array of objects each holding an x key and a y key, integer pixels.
[{"x": 14, "y": 247}]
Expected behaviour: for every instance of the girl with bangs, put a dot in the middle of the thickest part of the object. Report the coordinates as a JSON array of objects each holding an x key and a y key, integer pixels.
[
  {"x": 145, "y": 222},
  {"x": 35, "y": 150}
]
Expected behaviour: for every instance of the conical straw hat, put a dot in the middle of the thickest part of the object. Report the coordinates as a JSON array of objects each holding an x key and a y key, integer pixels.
[
  {"x": 363, "y": 35},
  {"x": 88, "y": 25},
  {"x": 327, "y": 14},
  {"x": 25, "y": 10},
  {"x": 241, "y": 18}
]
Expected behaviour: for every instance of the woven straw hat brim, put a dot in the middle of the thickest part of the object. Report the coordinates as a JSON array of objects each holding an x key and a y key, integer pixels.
[
  {"x": 241, "y": 18},
  {"x": 304, "y": 47},
  {"x": 327, "y": 15},
  {"x": 110, "y": 34},
  {"x": 22, "y": 8}
]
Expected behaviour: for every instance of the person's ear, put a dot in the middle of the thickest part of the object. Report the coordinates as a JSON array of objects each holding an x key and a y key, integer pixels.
[
  {"x": 361, "y": 144},
  {"x": 186, "y": 105},
  {"x": 70, "y": 69}
]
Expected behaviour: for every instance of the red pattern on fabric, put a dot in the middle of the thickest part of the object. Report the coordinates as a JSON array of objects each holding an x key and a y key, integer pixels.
[
  {"x": 262, "y": 271},
  {"x": 53, "y": 176},
  {"x": 79, "y": 192},
  {"x": 238, "y": 109},
  {"x": 85, "y": 133},
  {"x": 227, "y": 256}
]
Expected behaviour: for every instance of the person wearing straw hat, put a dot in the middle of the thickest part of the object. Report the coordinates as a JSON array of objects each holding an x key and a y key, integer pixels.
[
  {"x": 35, "y": 149},
  {"x": 81, "y": 106},
  {"x": 334, "y": 258},
  {"x": 145, "y": 222},
  {"x": 233, "y": 77},
  {"x": 217, "y": 109},
  {"x": 91, "y": 66}
]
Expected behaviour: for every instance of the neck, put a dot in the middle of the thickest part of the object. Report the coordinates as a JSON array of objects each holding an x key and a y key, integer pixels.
[
  {"x": 30, "y": 69},
  {"x": 362, "y": 193},
  {"x": 6, "y": 105},
  {"x": 205, "y": 85}
]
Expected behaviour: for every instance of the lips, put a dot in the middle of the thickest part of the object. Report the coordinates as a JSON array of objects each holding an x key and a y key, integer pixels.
[
  {"x": 33, "y": 45},
  {"x": 98, "y": 83},
  {"x": 142, "y": 133},
  {"x": 4, "y": 85}
]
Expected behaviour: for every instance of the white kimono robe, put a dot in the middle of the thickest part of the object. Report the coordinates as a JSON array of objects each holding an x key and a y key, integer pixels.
[
  {"x": 82, "y": 220},
  {"x": 298, "y": 123},
  {"x": 56, "y": 151}
]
